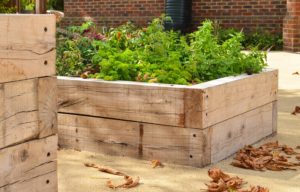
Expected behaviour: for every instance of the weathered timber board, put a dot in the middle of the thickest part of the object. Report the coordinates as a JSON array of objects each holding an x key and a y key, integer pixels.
[
  {"x": 43, "y": 183},
  {"x": 27, "y": 46},
  {"x": 159, "y": 104},
  {"x": 245, "y": 129},
  {"x": 47, "y": 106},
  {"x": 27, "y": 110},
  {"x": 227, "y": 97},
  {"x": 140, "y": 140},
  {"x": 198, "y": 106},
  {"x": 187, "y": 146},
  {"x": 26, "y": 161}
]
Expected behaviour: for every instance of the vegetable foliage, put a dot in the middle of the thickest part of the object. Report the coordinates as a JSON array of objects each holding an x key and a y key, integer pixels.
[{"x": 154, "y": 54}]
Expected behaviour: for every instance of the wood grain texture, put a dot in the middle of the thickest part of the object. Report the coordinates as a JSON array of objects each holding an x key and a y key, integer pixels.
[
  {"x": 137, "y": 102},
  {"x": 227, "y": 97},
  {"x": 27, "y": 110},
  {"x": 43, "y": 183},
  {"x": 27, "y": 46},
  {"x": 140, "y": 140},
  {"x": 198, "y": 106},
  {"x": 231, "y": 135},
  {"x": 47, "y": 106},
  {"x": 18, "y": 112},
  {"x": 27, "y": 161}
]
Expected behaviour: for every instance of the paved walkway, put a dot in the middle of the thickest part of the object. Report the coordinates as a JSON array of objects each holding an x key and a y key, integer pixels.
[{"x": 74, "y": 177}]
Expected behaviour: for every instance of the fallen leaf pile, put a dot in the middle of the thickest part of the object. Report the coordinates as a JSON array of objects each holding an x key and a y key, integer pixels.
[
  {"x": 129, "y": 182},
  {"x": 297, "y": 110},
  {"x": 222, "y": 182},
  {"x": 269, "y": 156},
  {"x": 156, "y": 163}
]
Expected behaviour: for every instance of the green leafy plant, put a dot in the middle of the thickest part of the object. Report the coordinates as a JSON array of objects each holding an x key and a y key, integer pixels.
[
  {"x": 55, "y": 4},
  {"x": 5, "y": 7},
  {"x": 154, "y": 54},
  {"x": 263, "y": 40},
  {"x": 259, "y": 39},
  {"x": 28, "y": 5}
]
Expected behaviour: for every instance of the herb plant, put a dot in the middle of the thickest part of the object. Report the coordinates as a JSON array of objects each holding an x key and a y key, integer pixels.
[{"x": 153, "y": 54}]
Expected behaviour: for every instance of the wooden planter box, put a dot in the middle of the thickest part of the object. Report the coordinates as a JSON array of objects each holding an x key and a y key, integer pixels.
[
  {"x": 28, "y": 113},
  {"x": 190, "y": 125}
]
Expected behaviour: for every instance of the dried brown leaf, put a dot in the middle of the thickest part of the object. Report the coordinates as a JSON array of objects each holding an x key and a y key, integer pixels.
[
  {"x": 296, "y": 110},
  {"x": 156, "y": 163},
  {"x": 267, "y": 156},
  {"x": 288, "y": 150},
  {"x": 234, "y": 183},
  {"x": 133, "y": 184},
  {"x": 216, "y": 174},
  {"x": 105, "y": 169},
  {"x": 219, "y": 186},
  {"x": 231, "y": 184},
  {"x": 128, "y": 181},
  {"x": 240, "y": 165},
  {"x": 255, "y": 189},
  {"x": 272, "y": 145},
  {"x": 110, "y": 184}
]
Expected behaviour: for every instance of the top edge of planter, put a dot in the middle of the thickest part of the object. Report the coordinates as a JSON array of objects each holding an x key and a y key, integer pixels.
[
  {"x": 26, "y": 15},
  {"x": 197, "y": 106},
  {"x": 204, "y": 85}
]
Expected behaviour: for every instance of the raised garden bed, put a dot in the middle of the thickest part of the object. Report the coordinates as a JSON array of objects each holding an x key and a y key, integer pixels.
[
  {"x": 28, "y": 113},
  {"x": 191, "y": 125}
]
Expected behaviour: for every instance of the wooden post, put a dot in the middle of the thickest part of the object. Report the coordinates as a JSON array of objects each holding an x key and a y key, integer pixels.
[
  {"x": 28, "y": 122},
  {"x": 18, "y": 5},
  {"x": 40, "y": 6}
]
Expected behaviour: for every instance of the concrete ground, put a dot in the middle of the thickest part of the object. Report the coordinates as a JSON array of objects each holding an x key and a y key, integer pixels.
[{"x": 75, "y": 177}]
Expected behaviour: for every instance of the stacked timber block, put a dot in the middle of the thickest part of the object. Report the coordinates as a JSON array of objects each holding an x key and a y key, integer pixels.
[
  {"x": 189, "y": 125},
  {"x": 28, "y": 114}
]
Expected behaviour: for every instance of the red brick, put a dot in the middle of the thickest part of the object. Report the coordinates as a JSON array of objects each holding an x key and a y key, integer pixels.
[{"x": 242, "y": 14}]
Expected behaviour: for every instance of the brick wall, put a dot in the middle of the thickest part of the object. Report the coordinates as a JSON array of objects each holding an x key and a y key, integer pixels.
[
  {"x": 291, "y": 29},
  {"x": 247, "y": 14},
  {"x": 250, "y": 15},
  {"x": 112, "y": 12}
]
